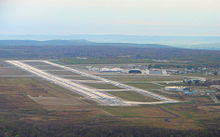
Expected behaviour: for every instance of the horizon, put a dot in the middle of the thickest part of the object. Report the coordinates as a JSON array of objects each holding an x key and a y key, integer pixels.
[
  {"x": 188, "y": 42},
  {"x": 110, "y": 34},
  {"x": 191, "y": 42}
]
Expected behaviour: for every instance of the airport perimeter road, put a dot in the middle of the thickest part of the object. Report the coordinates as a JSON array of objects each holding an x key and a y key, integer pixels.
[{"x": 91, "y": 93}]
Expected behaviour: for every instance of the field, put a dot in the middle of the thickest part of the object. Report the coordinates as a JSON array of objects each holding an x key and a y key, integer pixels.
[
  {"x": 11, "y": 71},
  {"x": 31, "y": 100},
  {"x": 49, "y": 99},
  {"x": 145, "y": 85},
  {"x": 49, "y": 67},
  {"x": 62, "y": 73},
  {"x": 101, "y": 86},
  {"x": 132, "y": 96},
  {"x": 143, "y": 78}
]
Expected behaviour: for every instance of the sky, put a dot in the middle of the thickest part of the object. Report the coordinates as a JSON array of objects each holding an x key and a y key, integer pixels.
[{"x": 130, "y": 17}]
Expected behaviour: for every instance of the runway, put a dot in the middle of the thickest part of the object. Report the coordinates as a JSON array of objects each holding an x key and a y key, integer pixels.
[{"x": 88, "y": 92}]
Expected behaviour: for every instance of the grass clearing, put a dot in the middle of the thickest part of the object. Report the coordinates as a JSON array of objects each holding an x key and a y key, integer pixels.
[
  {"x": 101, "y": 86},
  {"x": 138, "y": 111},
  {"x": 12, "y": 71},
  {"x": 132, "y": 96},
  {"x": 36, "y": 63},
  {"x": 62, "y": 73},
  {"x": 49, "y": 67},
  {"x": 145, "y": 85},
  {"x": 142, "y": 78},
  {"x": 34, "y": 87},
  {"x": 67, "y": 106},
  {"x": 77, "y": 77}
]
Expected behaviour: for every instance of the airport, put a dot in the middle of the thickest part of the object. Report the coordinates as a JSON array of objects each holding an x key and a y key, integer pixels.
[{"x": 89, "y": 92}]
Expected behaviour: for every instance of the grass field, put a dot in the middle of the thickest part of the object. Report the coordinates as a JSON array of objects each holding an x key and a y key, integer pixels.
[
  {"x": 76, "y": 77},
  {"x": 103, "y": 61},
  {"x": 12, "y": 71},
  {"x": 15, "y": 104},
  {"x": 132, "y": 96},
  {"x": 35, "y": 63},
  {"x": 49, "y": 67},
  {"x": 62, "y": 73},
  {"x": 145, "y": 85},
  {"x": 142, "y": 78},
  {"x": 101, "y": 86},
  {"x": 60, "y": 105}
]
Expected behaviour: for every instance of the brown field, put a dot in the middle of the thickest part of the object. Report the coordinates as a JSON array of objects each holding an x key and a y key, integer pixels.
[
  {"x": 132, "y": 96},
  {"x": 14, "y": 98},
  {"x": 48, "y": 67},
  {"x": 101, "y": 86},
  {"x": 76, "y": 77},
  {"x": 141, "y": 78},
  {"x": 62, "y": 73},
  {"x": 12, "y": 71},
  {"x": 144, "y": 85},
  {"x": 48, "y": 102},
  {"x": 35, "y": 63}
]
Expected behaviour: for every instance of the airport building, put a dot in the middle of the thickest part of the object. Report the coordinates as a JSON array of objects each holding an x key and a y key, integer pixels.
[
  {"x": 215, "y": 87},
  {"x": 134, "y": 71},
  {"x": 111, "y": 70},
  {"x": 156, "y": 72},
  {"x": 194, "y": 79},
  {"x": 188, "y": 93},
  {"x": 177, "y": 88}
]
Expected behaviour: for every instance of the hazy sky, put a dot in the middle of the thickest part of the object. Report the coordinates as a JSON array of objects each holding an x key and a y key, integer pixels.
[{"x": 132, "y": 17}]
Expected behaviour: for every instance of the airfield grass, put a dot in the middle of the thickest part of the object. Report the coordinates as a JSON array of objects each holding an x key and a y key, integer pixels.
[
  {"x": 36, "y": 63},
  {"x": 132, "y": 96},
  {"x": 76, "y": 77},
  {"x": 16, "y": 106},
  {"x": 62, "y": 73},
  {"x": 101, "y": 86},
  {"x": 138, "y": 111},
  {"x": 12, "y": 71},
  {"x": 34, "y": 87},
  {"x": 102, "y": 61},
  {"x": 14, "y": 99},
  {"x": 155, "y": 115},
  {"x": 142, "y": 78},
  {"x": 49, "y": 67},
  {"x": 144, "y": 85}
]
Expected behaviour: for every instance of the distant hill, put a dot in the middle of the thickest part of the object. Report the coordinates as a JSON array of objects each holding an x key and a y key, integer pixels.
[
  {"x": 44, "y": 43},
  {"x": 45, "y": 52},
  {"x": 192, "y": 42},
  {"x": 209, "y": 46},
  {"x": 73, "y": 43}
]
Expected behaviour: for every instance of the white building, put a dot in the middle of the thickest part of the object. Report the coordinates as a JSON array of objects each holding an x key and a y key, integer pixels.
[
  {"x": 156, "y": 72},
  {"x": 109, "y": 70},
  {"x": 177, "y": 88}
]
